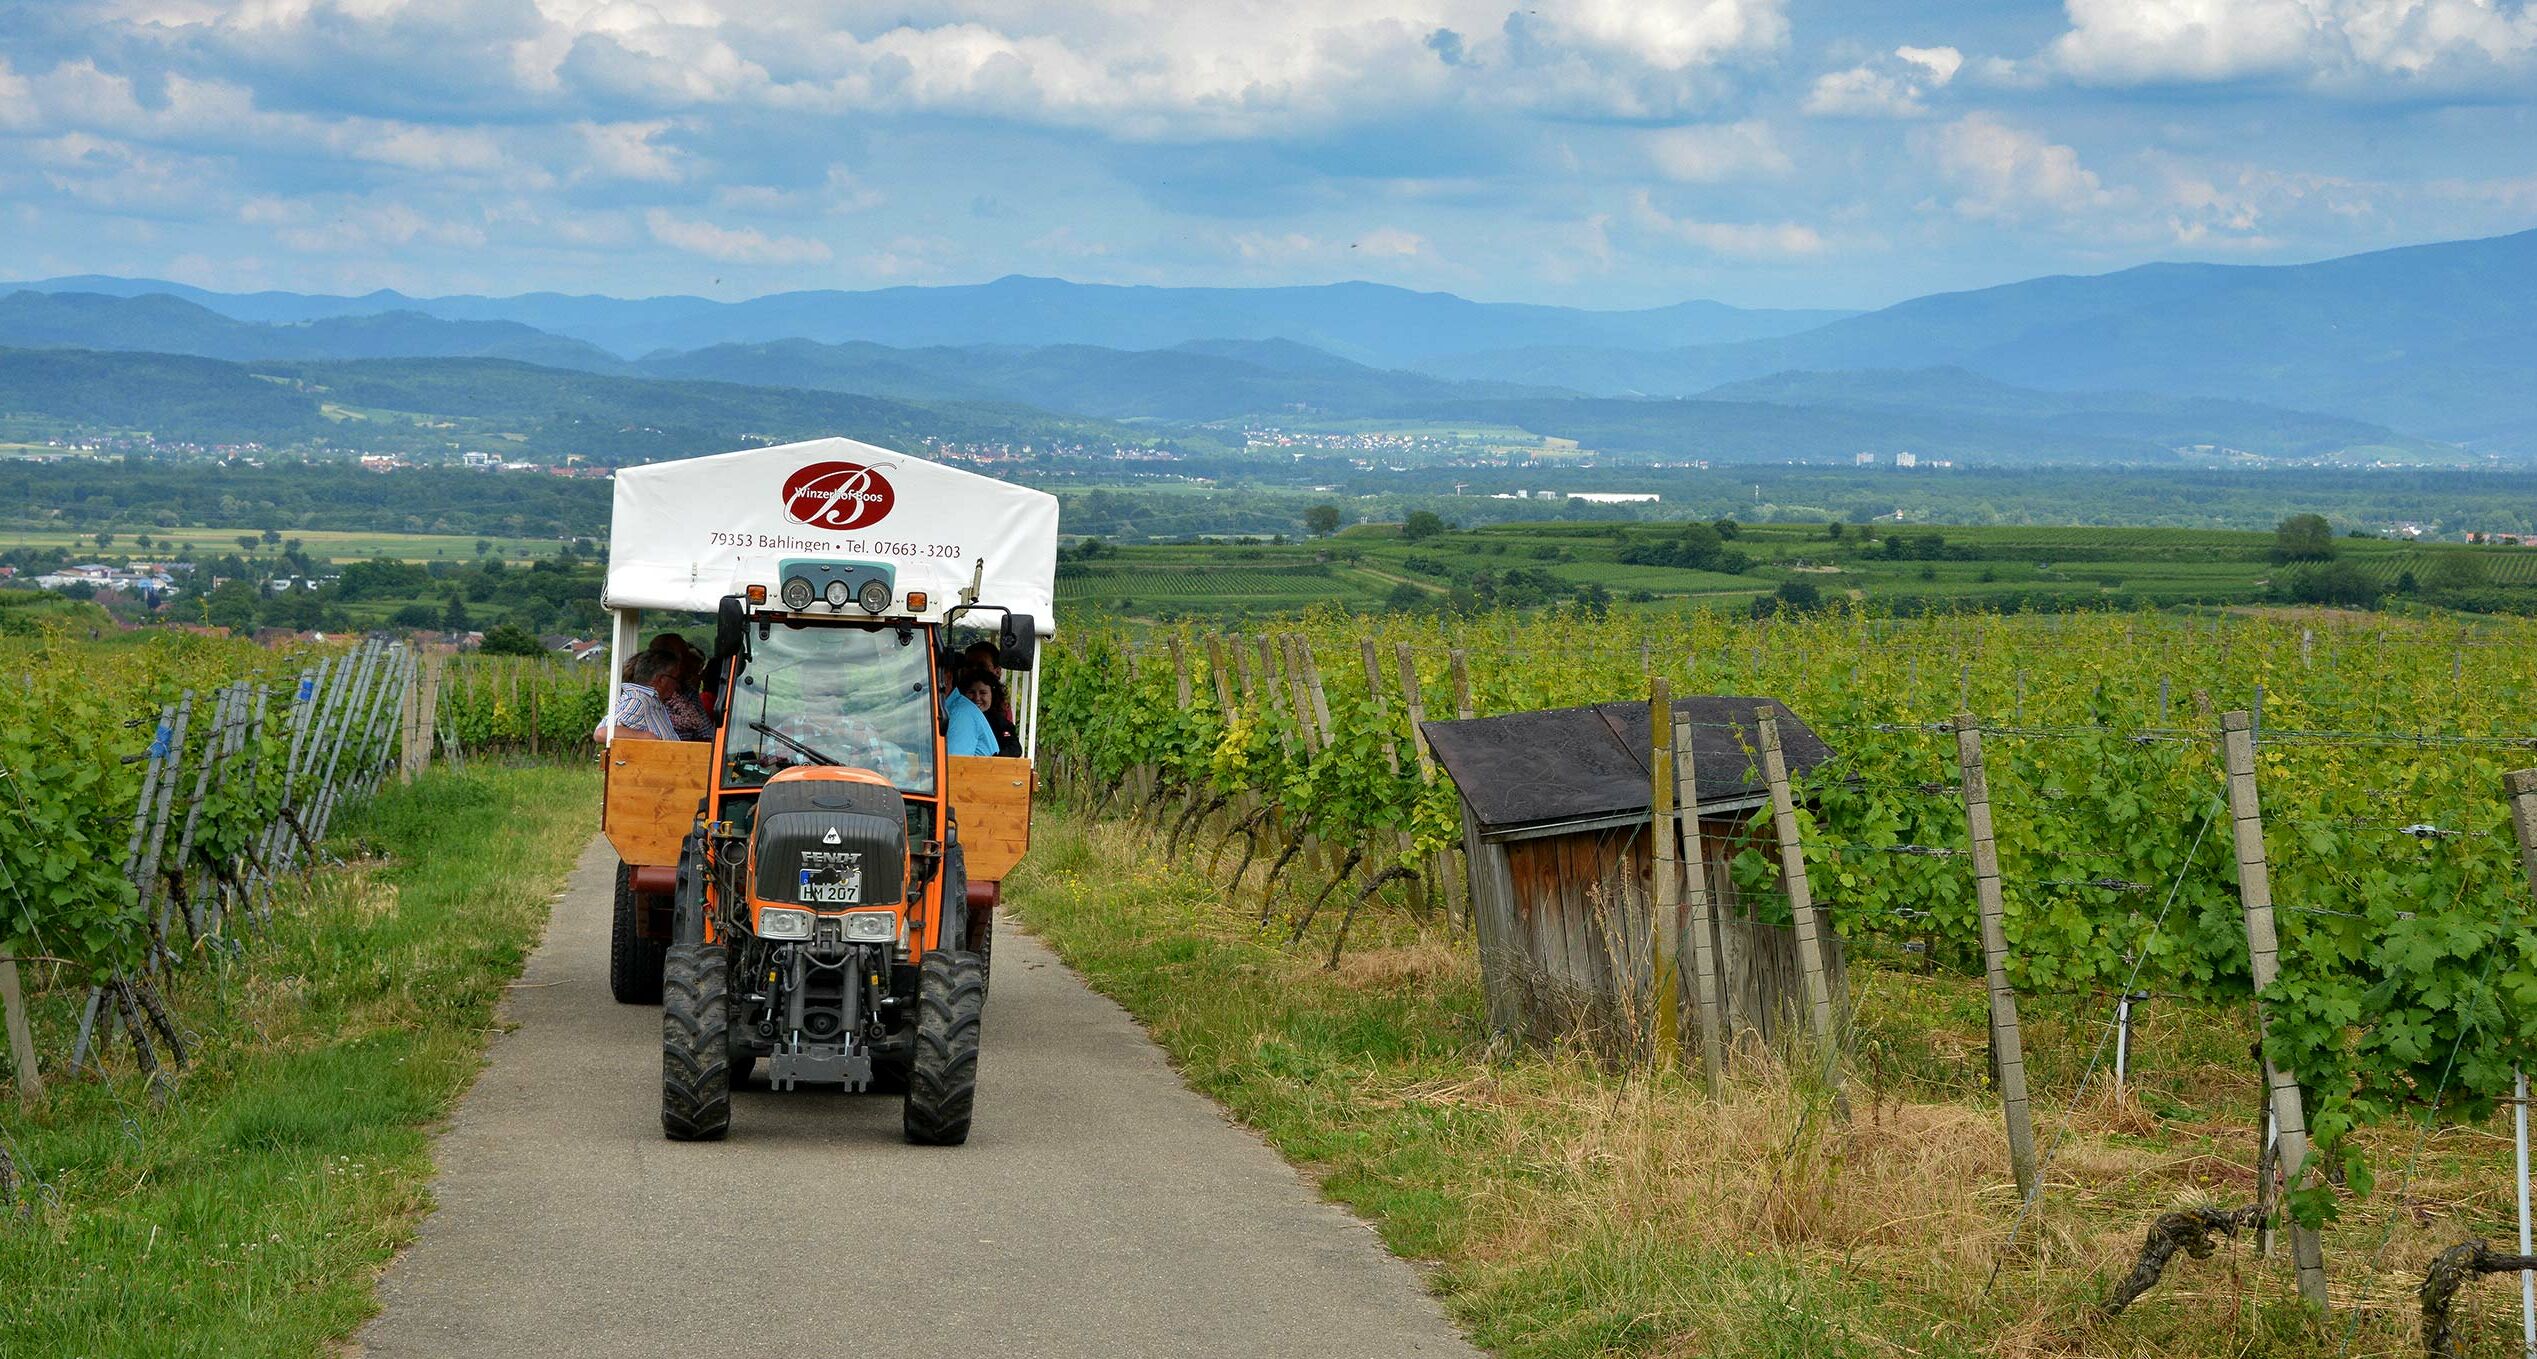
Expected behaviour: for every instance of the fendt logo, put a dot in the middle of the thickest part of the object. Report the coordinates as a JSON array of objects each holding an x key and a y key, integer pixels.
[{"x": 837, "y": 495}]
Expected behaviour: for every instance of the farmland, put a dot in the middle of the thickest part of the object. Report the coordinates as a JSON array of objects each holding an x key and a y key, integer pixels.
[{"x": 1893, "y": 567}]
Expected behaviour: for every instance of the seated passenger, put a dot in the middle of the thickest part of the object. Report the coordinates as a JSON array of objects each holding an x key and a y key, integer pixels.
[
  {"x": 983, "y": 689},
  {"x": 686, "y": 707},
  {"x": 640, "y": 712},
  {"x": 965, "y": 727}
]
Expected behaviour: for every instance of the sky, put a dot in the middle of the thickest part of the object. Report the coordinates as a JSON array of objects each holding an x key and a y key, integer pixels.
[{"x": 1603, "y": 153}]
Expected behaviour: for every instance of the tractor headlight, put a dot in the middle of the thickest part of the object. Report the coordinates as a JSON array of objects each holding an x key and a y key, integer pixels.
[
  {"x": 838, "y": 594},
  {"x": 874, "y": 596},
  {"x": 777, "y": 923},
  {"x": 797, "y": 593},
  {"x": 872, "y": 927}
]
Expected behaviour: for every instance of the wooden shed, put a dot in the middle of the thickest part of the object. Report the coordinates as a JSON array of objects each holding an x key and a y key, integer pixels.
[{"x": 1555, "y": 821}]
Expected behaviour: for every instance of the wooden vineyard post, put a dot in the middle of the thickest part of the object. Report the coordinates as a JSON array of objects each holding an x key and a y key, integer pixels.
[
  {"x": 1461, "y": 684},
  {"x": 1801, "y": 903},
  {"x": 1382, "y": 710},
  {"x": 1180, "y": 671},
  {"x": 21, "y": 1038},
  {"x": 1707, "y": 987},
  {"x": 1664, "y": 834},
  {"x": 1222, "y": 682},
  {"x": 2008, "y": 1048},
  {"x": 2263, "y": 954}
]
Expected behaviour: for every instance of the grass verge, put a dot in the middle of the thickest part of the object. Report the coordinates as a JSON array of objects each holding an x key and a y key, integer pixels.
[
  {"x": 251, "y": 1215},
  {"x": 1571, "y": 1211}
]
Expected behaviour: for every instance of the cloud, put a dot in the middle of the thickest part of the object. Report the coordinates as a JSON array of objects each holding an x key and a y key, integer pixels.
[
  {"x": 733, "y": 245},
  {"x": 2328, "y": 44},
  {"x": 2000, "y": 171},
  {"x": 358, "y": 226},
  {"x": 1717, "y": 153},
  {"x": 626, "y": 151},
  {"x": 1389, "y": 243},
  {"x": 1895, "y": 86},
  {"x": 1738, "y": 240}
]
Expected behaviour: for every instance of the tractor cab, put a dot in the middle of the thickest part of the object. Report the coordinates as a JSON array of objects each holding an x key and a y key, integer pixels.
[{"x": 821, "y": 912}]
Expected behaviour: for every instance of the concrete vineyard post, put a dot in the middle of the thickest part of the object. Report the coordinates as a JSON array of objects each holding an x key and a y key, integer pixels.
[
  {"x": 1664, "y": 834},
  {"x": 2521, "y": 787},
  {"x": 1707, "y": 986},
  {"x": 1801, "y": 903},
  {"x": 2007, "y": 1044},
  {"x": 2263, "y": 949}
]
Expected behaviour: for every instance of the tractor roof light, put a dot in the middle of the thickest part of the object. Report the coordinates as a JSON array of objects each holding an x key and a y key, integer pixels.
[
  {"x": 798, "y": 593},
  {"x": 757, "y": 594},
  {"x": 916, "y": 601},
  {"x": 874, "y": 596},
  {"x": 838, "y": 594}
]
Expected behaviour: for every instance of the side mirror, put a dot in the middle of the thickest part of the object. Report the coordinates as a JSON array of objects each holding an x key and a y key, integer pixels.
[
  {"x": 1017, "y": 644},
  {"x": 731, "y": 628}
]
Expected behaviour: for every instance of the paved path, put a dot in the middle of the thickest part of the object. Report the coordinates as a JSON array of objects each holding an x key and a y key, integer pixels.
[{"x": 1099, "y": 1209}]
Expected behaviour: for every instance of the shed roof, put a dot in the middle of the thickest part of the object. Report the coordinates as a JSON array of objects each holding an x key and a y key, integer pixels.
[{"x": 1561, "y": 767}]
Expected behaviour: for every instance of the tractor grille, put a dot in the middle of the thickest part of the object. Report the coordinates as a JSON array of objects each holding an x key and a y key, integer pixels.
[{"x": 831, "y": 860}]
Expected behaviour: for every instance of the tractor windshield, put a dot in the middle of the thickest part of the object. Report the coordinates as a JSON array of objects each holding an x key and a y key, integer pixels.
[{"x": 829, "y": 694}]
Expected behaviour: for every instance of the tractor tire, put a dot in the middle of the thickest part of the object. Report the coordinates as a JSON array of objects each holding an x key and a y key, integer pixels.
[
  {"x": 634, "y": 962},
  {"x": 942, "y": 1076},
  {"x": 696, "y": 1044}
]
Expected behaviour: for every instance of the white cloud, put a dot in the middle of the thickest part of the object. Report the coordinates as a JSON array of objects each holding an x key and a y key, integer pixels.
[
  {"x": 1896, "y": 86},
  {"x": 735, "y": 245},
  {"x": 2327, "y": 43},
  {"x": 1389, "y": 243},
  {"x": 1739, "y": 240},
  {"x": 358, "y": 226},
  {"x": 2000, "y": 171},
  {"x": 1717, "y": 153},
  {"x": 626, "y": 151}
]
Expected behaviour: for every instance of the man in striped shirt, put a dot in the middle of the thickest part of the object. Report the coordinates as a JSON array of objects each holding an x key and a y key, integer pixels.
[{"x": 641, "y": 714}]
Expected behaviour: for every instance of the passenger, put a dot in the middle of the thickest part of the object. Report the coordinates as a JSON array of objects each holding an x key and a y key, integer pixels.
[
  {"x": 987, "y": 692},
  {"x": 686, "y": 707},
  {"x": 641, "y": 714},
  {"x": 984, "y": 656},
  {"x": 966, "y": 730}
]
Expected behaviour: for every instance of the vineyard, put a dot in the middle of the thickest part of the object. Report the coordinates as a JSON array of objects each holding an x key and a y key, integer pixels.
[
  {"x": 167, "y": 794},
  {"x": 2406, "y": 996}
]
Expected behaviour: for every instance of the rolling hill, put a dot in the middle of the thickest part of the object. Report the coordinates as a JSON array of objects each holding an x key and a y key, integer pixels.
[
  {"x": 2436, "y": 340},
  {"x": 157, "y": 323}
]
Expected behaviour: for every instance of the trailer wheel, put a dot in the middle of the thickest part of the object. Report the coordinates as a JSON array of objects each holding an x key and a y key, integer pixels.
[
  {"x": 982, "y": 942},
  {"x": 634, "y": 962},
  {"x": 695, "y": 1044},
  {"x": 942, "y": 1077}
]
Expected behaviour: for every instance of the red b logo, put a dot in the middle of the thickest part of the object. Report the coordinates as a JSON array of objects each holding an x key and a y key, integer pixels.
[{"x": 837, "y": 495}]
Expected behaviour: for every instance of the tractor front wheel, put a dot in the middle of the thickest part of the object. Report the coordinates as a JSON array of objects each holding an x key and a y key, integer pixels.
[
  {"x": 942, "y": 1075},
  {"x": 634, "y": 962},
  {"x": 695, "y": 1044}
]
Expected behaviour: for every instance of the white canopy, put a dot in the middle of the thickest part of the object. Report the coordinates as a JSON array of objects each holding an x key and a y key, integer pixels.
[{"x": 687, "y": 533}]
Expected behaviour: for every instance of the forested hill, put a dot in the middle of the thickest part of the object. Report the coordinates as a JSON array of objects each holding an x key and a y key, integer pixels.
[{"x": 445, "y": 405}]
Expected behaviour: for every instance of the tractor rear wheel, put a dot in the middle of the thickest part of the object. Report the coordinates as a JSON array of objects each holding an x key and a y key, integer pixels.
[
  {"x": 942, "y": 1075},
  {"x": 695, "y": 1044},
  {"x": 634, "y": 962}
]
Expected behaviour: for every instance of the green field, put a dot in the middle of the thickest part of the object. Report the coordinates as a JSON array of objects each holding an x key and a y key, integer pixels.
[
  {"x": 1365, "y": 566},
  {"x": 319, "y": 543}
]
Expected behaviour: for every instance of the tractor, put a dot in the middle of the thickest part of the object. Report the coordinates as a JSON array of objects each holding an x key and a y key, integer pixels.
[{"x": 811, "y": 916}]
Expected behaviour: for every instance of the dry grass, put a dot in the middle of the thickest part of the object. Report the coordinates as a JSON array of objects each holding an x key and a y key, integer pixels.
[{"x": 1577, "y": 1209}]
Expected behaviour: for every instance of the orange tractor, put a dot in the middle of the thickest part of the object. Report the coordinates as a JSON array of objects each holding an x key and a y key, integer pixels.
[{"x": 811, "y": 892}]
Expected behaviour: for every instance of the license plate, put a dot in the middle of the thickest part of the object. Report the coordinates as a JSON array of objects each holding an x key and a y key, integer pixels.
[{"x": 832, "y": 877}]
